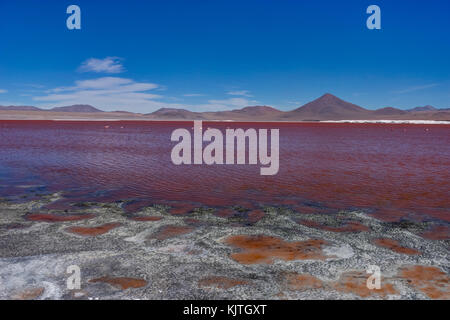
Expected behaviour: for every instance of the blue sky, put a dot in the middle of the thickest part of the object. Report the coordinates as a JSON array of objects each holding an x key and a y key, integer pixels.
[{"x": 215, "y": 55}]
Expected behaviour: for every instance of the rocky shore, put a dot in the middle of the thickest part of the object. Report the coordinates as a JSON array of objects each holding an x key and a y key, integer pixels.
[{"x": 161, "y": 252}]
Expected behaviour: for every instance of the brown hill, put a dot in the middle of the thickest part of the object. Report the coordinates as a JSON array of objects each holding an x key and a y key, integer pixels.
[
  {"x": 19, "y": 108},
  {"x": 248, "y": 113},
  {"x": 76, "y": 108},
  {"x": 425, "y": 108},
  {"x": 441, "y": 115},
  {"x": 327, "y": 107},
  {"x": 389, "y": 111},
  {"x": 175, "y": 114},
  {"x": 258, "y": 111}
]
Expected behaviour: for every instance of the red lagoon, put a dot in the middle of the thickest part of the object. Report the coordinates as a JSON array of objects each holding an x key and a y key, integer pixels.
[{"x": 392, "y": 171}]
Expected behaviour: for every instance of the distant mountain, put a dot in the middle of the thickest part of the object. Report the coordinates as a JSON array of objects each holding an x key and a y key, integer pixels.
[
  {"x": 420, "y": 109},
  {"x": 327, "y": 107},
  {"x": 389, "y": 111},
  {"x": 257, "y": 111},
  {"x": 175, "y": 114},
  {"x": 122, "y": 111},
  {"x": 19, "y": 108},
  {"x": 248, "y": 114},
  {"x": 76, "y": 108}
]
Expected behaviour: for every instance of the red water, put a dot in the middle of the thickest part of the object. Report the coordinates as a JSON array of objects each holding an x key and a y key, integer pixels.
[{"x": 389, "y": 170}]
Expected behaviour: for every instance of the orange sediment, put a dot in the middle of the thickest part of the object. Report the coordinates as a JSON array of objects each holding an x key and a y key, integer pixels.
[
  {"x": 171, "y": 231},
  {"x": 395, "y": 246},
  {"x": 432, "y": 281},
  {"x": 265, "y": 249},
  {"x": 303, "y": 282},
  {"x": 356, "y": 282},
  {"x": 121, "y": 282},
  {"x": 93, "y": 231}
]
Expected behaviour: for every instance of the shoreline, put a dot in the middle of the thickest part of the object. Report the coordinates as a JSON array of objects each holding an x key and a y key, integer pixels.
[
  {"x": 426, "y": 122},
  {"x": 269, "y": 253}
]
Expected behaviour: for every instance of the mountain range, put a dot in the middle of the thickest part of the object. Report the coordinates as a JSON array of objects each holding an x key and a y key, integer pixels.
[
  {"x": 326, "y": 107},
  {"x": 74, "y": 108}
]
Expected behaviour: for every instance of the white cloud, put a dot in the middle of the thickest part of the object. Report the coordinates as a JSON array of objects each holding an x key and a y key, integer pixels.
[
  {"x": 107, "y": 93},
  {"x": 107, "y": 83},
  {"x": 33, "y": 85},
  {"x": 193, "y": 95},
  {"x": 106, "y": 65},
  {"x": 416, "y": 88},
  {"x": 244, "y": 93},
  {"x": 3, "y": 91},
  {"x": 116, "y": 93}
]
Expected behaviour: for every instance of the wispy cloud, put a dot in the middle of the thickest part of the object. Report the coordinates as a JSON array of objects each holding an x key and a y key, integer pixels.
[
  {"x": 33, "y": 85},
  {"x": 416, "y": 88},
  {"x": 3, "y": 91},
  {"x": 106, "y": 92},
  {"x": 244, "y": 93},
  {"x": 116, "y": 93},
  {"x": 193, "y": 95},
  {"x": 105, "y": 83},
  {"x": 106, "y": 65}
]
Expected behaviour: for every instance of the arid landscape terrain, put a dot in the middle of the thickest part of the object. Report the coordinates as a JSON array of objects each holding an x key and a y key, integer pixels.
[{"x": 326, "y": 108}]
